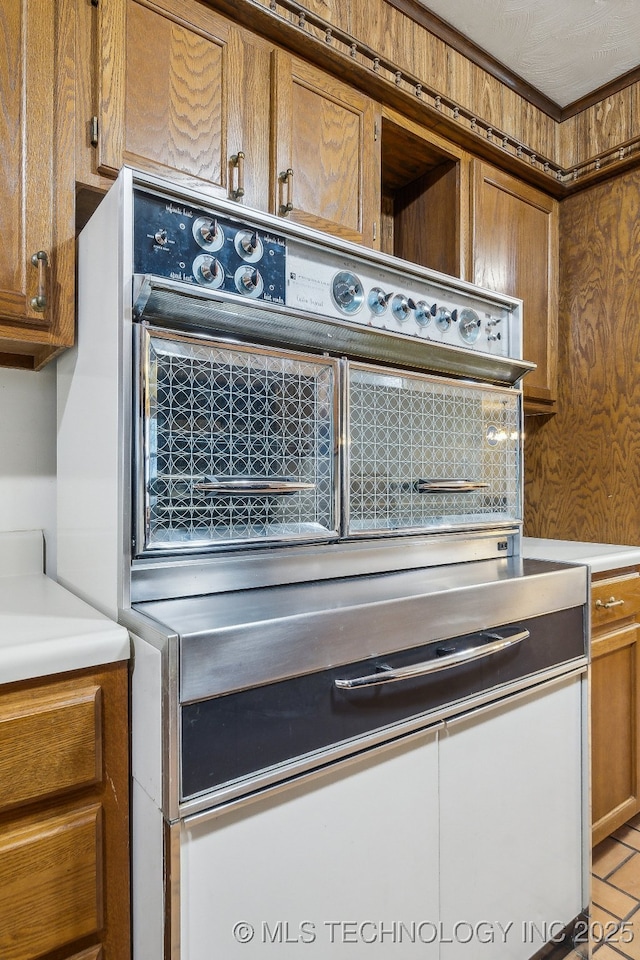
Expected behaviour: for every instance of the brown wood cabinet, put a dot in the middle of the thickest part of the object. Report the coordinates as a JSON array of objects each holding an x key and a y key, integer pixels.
[
  {"x": 188, "y": 94},
  {"x": 64, "y": 828},
  {"x": 615, "y": 700},
  {"x": 327, "y": 157},
  {"x": 37, "y": 187},
  {"x": 515, "y": 249}
]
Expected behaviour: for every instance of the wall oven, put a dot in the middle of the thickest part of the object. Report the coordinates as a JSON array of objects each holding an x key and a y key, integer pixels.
[{"x": 292, "y": 467}]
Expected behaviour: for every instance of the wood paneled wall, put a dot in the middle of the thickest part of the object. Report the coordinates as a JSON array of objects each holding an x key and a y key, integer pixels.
[
  {"x": 582, "y": 466},
  {"x": 600, "y": 140}
]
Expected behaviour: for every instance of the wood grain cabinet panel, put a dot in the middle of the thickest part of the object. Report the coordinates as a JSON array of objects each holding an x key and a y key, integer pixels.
[
  {"x": 51, "y": 883},
  {"x": 324, "y": 134},
  {"x": 182, "y": 92},
  {"x": 49, "y": 743},
  {"x": 615, "y": 701},
  {"x": 37, "y": 185},
  {"x": 515, "y": 251},
  {"x": 64, "y": 817}
]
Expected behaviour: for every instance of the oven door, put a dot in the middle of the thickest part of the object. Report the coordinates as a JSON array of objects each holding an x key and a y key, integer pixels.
[
  {"x": 429, "y": 453},
  {"x": 236, "y": 444}
]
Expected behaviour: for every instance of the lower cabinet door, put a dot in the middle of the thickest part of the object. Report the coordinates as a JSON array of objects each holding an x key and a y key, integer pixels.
[
  {"x": 345, "y": 863},
  {"x": 49, "y": 870},
  {"x": 512, "y": 857}
]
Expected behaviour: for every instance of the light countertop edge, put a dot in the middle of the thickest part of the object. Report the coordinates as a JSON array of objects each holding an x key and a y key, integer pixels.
[
  {"x": 45, "y": 629},
  {"x": 599, "y": 557}
]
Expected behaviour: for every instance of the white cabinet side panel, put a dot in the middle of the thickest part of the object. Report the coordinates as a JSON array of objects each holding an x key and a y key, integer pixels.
[
  {"x": 147, "y": 873},
  {"x": 89, "y": 441},
  {"x": 343, "y": 865},
  {"x": 146, "y": 718}
]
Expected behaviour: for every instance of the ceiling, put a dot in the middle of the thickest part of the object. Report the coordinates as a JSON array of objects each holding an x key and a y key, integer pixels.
[{"x": 565, "y": 49}]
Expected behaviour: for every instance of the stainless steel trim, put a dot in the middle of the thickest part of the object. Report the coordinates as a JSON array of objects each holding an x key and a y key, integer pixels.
[
  {"x": 162, "y": 301},
  {"x": 236, "y": 640},
  {"x": 388, "y": 675},
  {"x": 256, "y": 486},
  {"x": 157, "y": 578},
  {"x": 448, "y": 486}
]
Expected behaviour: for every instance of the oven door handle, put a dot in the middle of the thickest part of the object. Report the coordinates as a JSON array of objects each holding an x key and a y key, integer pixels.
[
  {"x": 267, "y": 486},
  {"x": 448, "y": 486},
  {"x": 496, "y": 643}
]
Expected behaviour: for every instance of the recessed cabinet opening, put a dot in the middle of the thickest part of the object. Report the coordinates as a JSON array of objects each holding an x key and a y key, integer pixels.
[{"x": 420, "y": 200}]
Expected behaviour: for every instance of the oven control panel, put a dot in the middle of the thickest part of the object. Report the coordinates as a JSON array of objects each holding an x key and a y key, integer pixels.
[
  {"x": 189, "y": 244},
  {"x": 180, "y": 242}
]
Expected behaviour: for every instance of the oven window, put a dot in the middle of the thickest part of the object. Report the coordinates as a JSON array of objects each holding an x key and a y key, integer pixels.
[
  {"x": 238, "y": 444},
  {"x": 430, "y": 453}
]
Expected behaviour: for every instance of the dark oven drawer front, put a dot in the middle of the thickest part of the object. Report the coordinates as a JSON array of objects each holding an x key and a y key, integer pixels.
[
  {"x": 428, "y": 453},
  {"x": 237, "y": 445},
  {"x": 228, "y": 739}
]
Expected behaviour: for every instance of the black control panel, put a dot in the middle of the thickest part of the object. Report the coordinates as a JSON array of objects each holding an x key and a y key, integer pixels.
[{"x": 180, "y": 242}]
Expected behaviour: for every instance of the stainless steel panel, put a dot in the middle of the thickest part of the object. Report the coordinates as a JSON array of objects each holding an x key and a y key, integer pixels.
[
  {"x": 246, "y": 638},
  {"x": 159, "y": 579},
  {"x": 167, "y": 303}
]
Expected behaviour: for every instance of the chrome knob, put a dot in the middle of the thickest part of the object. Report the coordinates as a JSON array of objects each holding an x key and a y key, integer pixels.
[
  {"x": 494, "y": 336},
  {"x": 248, "y": 245},
  {"x": 160, "y": 236},
  {"x": 250, "y": 280},
  {"x": 401, "y": 307},
  {"x": 378, "y": 300},
  {"x": 347, "y": 292},
  {"x": 210, "y": 269},
  {"x": 207, "y": 270},
  {"x": 208, "y": 233},
  {"x": 469, "y": 328},
  {"x": 443, "y": 319},
  {"x": 422, "y": 313}
]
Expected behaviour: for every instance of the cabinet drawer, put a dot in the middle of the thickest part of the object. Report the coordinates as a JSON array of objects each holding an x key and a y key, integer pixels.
[
  {"x": 615, "y": 598},
  {"x": 51, "y": 894},
  {"x": 50, "y": 741}
]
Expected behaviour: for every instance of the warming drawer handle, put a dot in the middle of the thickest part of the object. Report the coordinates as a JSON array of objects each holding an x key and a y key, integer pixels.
[
  {"x": 448, "y": 486},
  {"x": 390, "y": 674},
  {"x": 268, "y": 486}
]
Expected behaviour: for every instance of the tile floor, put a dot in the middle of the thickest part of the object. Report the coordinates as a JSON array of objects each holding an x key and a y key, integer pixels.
[{"x": 615, "y": 895}]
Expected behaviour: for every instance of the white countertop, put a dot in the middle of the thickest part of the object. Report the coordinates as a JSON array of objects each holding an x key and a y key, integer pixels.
[
  {"x": 45, "y": 629},
  {"x": 599, "y": 557}
]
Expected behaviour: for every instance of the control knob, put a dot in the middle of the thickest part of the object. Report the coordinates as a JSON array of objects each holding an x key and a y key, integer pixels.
[
  {"x": 422, "y": 313},
  {"x": 347, "y": 292},
  {"x": 469, "y": 327},
  {"x": 208, "y": 233},
  {"x": 401, "y": 307},
  {"x": 208, "y": 271},
  {"x": 444, "y": 317},
  {"x": 248, "y": 245},
  {"x": 160, "y": 236},
  {"x": 249, "y": 281},
  {"x": 378, "y": 300}
]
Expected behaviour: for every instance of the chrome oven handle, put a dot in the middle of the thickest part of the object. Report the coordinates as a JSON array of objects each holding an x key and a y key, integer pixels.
[
  {"x": 257, "y": 486},
  {"x": 448, "y": 486},
  {"x": 390, "y": 674}
]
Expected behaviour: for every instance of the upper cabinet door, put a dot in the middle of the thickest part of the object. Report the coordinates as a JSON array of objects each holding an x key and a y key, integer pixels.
[
  {"x": 327, "y": 156},
  {"x": 184, "y": 92},
  {"x": 515, "y": 250},
  {"x": 37, "y": 184}
]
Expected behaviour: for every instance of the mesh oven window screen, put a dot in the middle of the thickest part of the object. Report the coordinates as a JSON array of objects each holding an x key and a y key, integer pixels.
[
  {"x": 405, "y": 429},
  {"x": 229, "y": 414}
]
